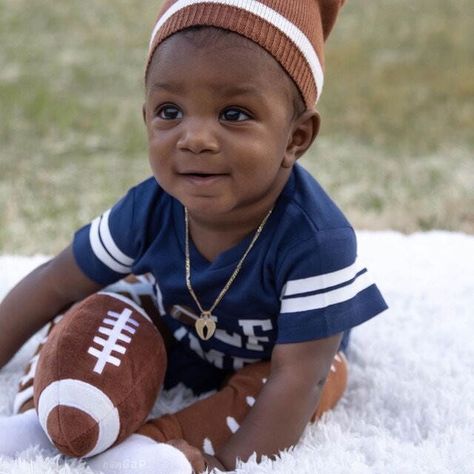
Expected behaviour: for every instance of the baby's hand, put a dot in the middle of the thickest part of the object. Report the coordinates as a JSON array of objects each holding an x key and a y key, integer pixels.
[{"x": 194, "y": 455}]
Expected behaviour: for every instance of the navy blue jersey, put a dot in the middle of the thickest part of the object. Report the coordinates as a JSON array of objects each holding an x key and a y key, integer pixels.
[{"x": 301, "y": 281}]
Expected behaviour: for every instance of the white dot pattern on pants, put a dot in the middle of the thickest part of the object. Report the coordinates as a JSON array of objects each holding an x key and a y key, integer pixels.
[
  {"x": 207, "y": 447},
  {"x": 232, "y": 424}
]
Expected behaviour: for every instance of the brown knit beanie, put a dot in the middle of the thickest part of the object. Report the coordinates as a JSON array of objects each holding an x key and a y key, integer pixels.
[{"x": 292, "y": 31}]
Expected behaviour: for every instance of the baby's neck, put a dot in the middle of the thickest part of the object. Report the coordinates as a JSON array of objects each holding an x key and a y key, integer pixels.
[
  {"x": 212, "y": 245},
  {"x": 211, "y": 241}
]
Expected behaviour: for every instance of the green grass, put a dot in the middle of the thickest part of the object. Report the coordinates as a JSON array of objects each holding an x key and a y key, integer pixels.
[{"x": 396, "y": 148}]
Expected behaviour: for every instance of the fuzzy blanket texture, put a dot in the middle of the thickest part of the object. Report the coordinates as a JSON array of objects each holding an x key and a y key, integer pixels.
[{"x": 409, "y": 404}]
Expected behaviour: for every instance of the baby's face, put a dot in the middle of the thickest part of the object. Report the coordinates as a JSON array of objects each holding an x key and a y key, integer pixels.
[{"x": 219, "y": 120}]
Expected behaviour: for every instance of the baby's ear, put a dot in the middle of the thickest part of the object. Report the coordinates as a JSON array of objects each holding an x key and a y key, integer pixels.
[
  {"x": 304, "y": 130},
  {"x": 144, "y": 113}
]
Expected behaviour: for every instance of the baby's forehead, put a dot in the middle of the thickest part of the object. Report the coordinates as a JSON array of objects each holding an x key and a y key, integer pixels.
[
  {"x": 207, "y": 36},
  {"x": 230, "y": 47},
  {"x": 219, "y": 41}
]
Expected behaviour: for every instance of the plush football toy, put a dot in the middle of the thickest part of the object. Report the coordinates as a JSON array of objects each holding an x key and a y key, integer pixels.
[{"x": 98, "y": 374}]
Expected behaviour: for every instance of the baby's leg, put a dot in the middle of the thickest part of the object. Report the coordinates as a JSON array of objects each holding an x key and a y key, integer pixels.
[
  {"x": 209, "y": 423},
  {"x": 22, "y": 431},
  {"x": 140, "y": 454}
]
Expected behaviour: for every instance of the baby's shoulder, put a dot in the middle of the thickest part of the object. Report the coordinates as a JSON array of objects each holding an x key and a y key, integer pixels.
[
  {"x": 307, "y": 210},
  {"x": 151, "y": 207}
]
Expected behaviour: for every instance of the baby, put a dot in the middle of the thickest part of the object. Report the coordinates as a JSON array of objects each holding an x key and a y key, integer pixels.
[{"x": 254, "y": 269}]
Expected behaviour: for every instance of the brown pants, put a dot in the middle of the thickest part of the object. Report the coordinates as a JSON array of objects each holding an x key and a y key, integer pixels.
[{"x": 206, "y": 424}]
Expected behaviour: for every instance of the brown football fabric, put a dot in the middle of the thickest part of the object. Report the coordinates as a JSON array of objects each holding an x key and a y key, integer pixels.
[
  {"x": 139, "y": 289},
  {"x": 105, "y": 360},
  {"x": 83, "y": 431}
]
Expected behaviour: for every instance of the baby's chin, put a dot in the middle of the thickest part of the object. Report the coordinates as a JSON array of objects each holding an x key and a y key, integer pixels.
[{"x": 207, "y": 208}]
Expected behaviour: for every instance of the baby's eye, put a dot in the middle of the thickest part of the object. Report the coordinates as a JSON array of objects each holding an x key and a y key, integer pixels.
[
  {"x": 170, "y": 112},
  {"x": 234, "y": 115}
]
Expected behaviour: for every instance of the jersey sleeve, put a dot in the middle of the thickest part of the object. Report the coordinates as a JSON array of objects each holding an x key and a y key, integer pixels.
[
  {"x": 107, "y": 248},
  {"x": 326, "y": 289}
]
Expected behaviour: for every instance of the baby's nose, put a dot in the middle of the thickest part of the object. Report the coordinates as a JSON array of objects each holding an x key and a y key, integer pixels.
[{"x": 198, "y": 136}]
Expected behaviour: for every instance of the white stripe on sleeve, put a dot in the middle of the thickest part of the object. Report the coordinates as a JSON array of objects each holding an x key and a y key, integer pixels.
[
  {"x": 323, "y": 300},
  {"x": 268, "y": 14},
  {"x": 101, "y": 252},
  {"x": 320, "y": 282},
  {"x": 109, "y": 243}
]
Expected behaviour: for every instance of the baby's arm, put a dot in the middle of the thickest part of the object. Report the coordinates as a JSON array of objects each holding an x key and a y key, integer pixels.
[
  {"x": 39, "y": 297},
  {"x": 285, "y": 404}
]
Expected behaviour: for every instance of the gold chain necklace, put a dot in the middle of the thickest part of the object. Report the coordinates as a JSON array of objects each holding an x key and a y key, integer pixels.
[{"x": 205, "y": 326}]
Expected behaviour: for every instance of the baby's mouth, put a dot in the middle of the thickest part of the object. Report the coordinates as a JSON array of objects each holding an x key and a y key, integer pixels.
[
  {"x": 203, "y": 178},
  {"x": 201, "y": 175}
]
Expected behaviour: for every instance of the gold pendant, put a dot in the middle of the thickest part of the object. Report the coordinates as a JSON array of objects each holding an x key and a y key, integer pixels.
[{"x": 205, "y": 326}]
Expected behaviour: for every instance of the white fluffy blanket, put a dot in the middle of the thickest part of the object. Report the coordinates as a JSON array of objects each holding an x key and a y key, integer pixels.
[{"x": 409, "y": 405}]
